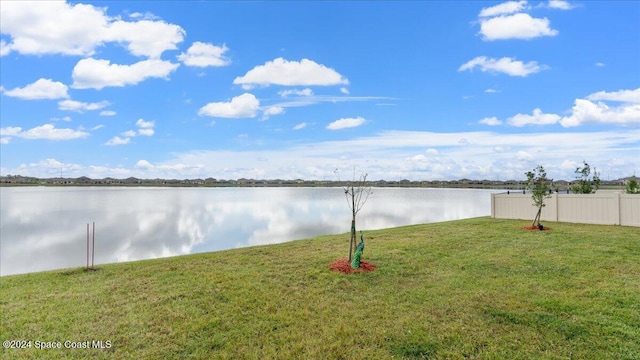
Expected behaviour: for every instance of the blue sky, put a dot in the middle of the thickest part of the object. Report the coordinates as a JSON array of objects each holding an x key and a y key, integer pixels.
[{"x": 419, "y": 90}]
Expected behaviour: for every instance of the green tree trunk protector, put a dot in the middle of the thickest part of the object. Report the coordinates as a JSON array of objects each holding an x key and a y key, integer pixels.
[{"x": 356, "y": 258}]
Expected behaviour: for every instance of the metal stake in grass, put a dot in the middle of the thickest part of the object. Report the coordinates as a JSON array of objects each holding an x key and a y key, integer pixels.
[
  {"x": 87, "y": 246},
  {"x": 93, "y": 246}
]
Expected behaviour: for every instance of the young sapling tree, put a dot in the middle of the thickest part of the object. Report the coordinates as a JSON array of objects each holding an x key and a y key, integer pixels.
[
  {"x": 539, "y": 186},
  {"x": 586, "y": 184},
  {"x": 357, "y": 193},
  {"x": 632, "y": 186}
]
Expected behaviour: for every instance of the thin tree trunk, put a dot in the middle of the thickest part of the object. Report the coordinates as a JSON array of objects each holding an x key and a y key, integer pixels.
[
  {"x": 353, "y": 223},
  {"x": 537, "y": 218},
  {"x": 353, "y": 228},
  {"x": 352, "y": 238}
]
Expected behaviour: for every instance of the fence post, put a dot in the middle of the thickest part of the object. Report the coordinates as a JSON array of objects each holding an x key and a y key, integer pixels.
[
  {"x": 616, "y": 207},
  {"x": 493, "y": 205}
]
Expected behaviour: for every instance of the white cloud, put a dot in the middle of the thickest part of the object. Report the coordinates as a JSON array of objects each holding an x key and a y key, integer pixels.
[
  {"x": 491, "y": 91},
  {"x": 418, "y": 158},
  {"x": 41, "y": 89},
  {"x": 628, "y": 96},
  {"x": 144, "y": 164},
  {"x": 66, "y": 118},
  {"x": 46, "y": 131},
  {"x": 345, "y": 123},
  {"x": 344, "y": 90},
  {"x": 56, "y": 27},
  {"x": 315, "y": 99},
  {"x": 72, "y": 105},
  {"x": 300, "y": 126},
  {"x": 537, "y": 118},
  {"x": 10, "y": 131},
  {"x": 569, "y": 165},
  {"x": 560, "y": 4},
  {"x": 600, "y": 64},
  {"x": 272, "y": 110},
  {"x": 505, "y": 65},
  {"x": 242, "y": 106},
  {"x": 107, "y": 113},
  {"x": 433, "y": 152},
  {"x": 97, "y": 74},
  {"x": 505, "y": 8},
  {"x": 491, "y": 121},
  {"x": 303, "y": 92},
  {"x": 291, "y": 73},
  {"x": 169, "y": 170},
  {"x": 203, "y": 54},
  {"x": 117, "y": 140},
  {"x": 145, "y": 128},
  {"x": 585, "y": 111},
  {"x": 383, "y": 155},
  {"x": 48, "y": 167},
  {"x": 143, "y": 16},
  {"x": 49, "y": 132},
  {"x": 523, "y": 155},
  {"x": 4, "y": 48},
  {"x": 516, "y": 26},
  {"x": 145, "y": 38},
  {"x": 98, "y": 172}
]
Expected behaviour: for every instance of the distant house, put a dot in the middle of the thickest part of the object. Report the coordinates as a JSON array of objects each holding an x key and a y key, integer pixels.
[
  {"x": 84, "y": 180},
  {"x": 131, "y": 180},
  {"x": 197, "y": 182}
]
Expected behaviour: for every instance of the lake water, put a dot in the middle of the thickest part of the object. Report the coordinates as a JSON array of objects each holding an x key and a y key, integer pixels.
[{"x": 45, "y": 228}]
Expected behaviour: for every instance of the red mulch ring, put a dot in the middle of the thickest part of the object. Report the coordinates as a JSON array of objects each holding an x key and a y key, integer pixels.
[
  {"x": 535, "y": 228},
  {"x": 343, "y": 266}
]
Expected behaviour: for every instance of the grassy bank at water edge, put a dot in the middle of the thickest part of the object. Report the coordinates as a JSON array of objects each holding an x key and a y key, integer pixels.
[{"x": 479, "y": 288}]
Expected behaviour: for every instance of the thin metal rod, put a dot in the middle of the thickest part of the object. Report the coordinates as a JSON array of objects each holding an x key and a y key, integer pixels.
[
  {"x": 93, "y": 247},
  {"x": 87, "y": 246}
]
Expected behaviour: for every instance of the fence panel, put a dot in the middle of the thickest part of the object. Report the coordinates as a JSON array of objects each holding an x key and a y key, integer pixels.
[
  {"x": 600, "y": 208},
  {"x": 604, "y": 207},
  {"x": 520, "y": 206},
  {"x": 630, "y": 210}
]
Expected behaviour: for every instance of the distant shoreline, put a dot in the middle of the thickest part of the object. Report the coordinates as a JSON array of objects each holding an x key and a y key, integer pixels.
[{"x": 17, "y": 180}]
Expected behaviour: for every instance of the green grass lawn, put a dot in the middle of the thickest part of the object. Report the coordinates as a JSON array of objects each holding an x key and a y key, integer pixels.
[{"x": 479, "y": 288}]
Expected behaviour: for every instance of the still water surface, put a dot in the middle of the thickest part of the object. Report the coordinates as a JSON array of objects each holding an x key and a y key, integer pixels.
[{"x": 45, "y": 228}]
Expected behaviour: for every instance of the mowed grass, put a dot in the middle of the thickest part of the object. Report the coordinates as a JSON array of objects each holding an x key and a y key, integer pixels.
[{"x": 479, "y": 288}]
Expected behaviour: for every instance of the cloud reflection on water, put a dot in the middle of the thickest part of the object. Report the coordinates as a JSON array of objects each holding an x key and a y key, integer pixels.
[{"x": 45, "y": 228}]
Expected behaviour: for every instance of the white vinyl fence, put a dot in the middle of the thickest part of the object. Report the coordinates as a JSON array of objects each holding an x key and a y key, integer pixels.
[{"x": 603, "y": 207}]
